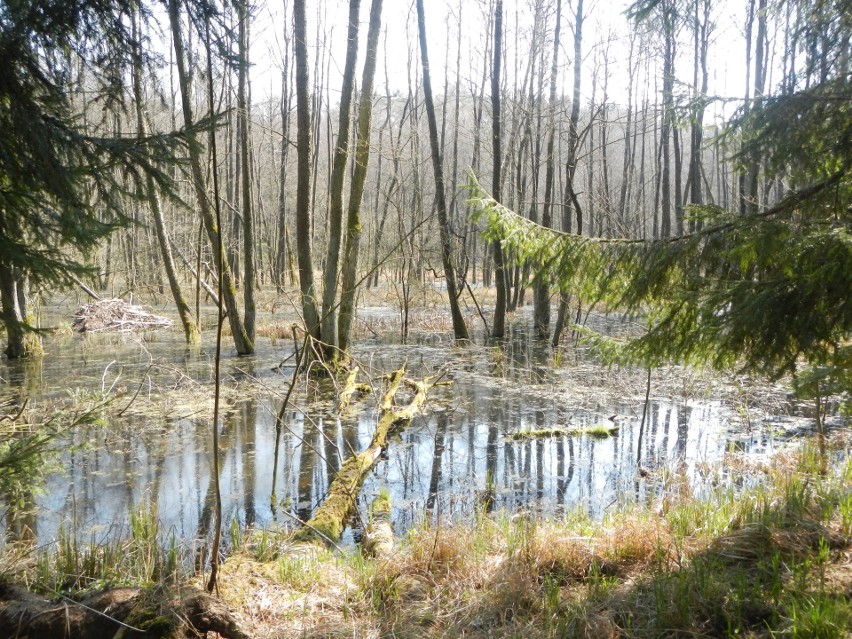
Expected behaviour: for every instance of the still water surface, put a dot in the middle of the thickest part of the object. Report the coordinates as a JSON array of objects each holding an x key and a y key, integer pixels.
[{"x": 449, "y": 462}]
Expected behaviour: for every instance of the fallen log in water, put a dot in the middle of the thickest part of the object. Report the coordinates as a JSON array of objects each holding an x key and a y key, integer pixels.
[
  {"x": 378, "y": 536},
  {"x": 116, "y": 612},
  {"x": 330, "y": 518}
]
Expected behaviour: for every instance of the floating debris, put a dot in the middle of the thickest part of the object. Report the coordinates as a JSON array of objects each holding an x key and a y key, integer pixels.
[
  {"x": 118, "y": 316},
  {"x": 596, "y": 430}
]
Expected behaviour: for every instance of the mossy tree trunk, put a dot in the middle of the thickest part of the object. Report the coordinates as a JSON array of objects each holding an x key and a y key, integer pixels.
[
  {"x": 352, "y": 247},
  {"x": 304, "y": 243},
  {"x": 20, "y": 342},
  {"x": 190, "y": 327},
  {"x": 338, "y": 175},
  {"x": 242, "y": 341}
]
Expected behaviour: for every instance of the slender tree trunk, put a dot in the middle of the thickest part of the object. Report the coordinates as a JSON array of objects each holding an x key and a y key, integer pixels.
[
  {"x": 746, "y": 203},
  {"x": 281, "y": 244},
  {"x": 303, "y": 186},
  {"x": 242, "y": 342},
  {"x": 243, "y": 106},
  {"x": 571, "y": 205},
  {"x": 678, "y": 179},
  {"x": 760, "y": 54},
  {"x": 190, "y": 328},
  {"x": 459, "y": 327},
  {"x": 498, "y": 328},
  {"x": 592, "y": 223},
  {"x": 359, "y": 178},
  {"x": 605, "y": 216},
  {"x": 699, "y": 68},
  {"x": 338, "y": 174},
  {"x": 668, "y": 118},
  {"x": 541, "y": 312},
  {"x": 629, "y": 143},
  {"x": 454, "y": 209},
  {"x": 281, "y": 252}
]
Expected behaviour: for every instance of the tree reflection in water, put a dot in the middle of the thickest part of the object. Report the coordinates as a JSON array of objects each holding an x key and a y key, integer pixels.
[{"x": 446, "y": 464}]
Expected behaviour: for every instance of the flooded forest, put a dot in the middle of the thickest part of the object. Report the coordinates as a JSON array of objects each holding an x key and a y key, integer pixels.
[{"x": 318, "y": 316}]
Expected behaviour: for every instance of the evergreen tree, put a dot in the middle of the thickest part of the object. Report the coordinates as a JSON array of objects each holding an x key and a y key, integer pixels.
[{"x": 60, "y": 191}]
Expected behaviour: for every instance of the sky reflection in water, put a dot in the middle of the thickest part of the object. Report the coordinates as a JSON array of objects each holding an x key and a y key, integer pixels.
[{"x": 448, "y": 463}]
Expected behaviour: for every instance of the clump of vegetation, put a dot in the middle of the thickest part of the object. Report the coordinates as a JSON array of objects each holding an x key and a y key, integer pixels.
[
  {"x": 144, "y": 555},
  {"x": 600, "y": 431}
]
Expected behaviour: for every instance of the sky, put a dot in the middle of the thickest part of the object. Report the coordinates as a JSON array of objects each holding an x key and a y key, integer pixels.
[{"x": 605, "y": 21}]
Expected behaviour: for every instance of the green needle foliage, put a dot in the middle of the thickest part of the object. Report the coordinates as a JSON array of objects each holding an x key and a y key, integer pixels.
[
  {"x": 64, "y": 181},
  {"x": 764, "y": 291}
]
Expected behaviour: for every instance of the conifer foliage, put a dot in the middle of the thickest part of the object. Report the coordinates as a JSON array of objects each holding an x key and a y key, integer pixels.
[{"x": 63, "y": 181}]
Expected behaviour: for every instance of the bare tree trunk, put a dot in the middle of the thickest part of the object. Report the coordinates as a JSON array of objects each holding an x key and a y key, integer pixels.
[
  {"x": 303, "y": 186},
  {"x": 281, "y": 253},
  {"x": 571, "y": 204},
  {"x": 746, "y": 204},
  {"x": 668, "y": 118},
  {"x": 454, "y": 209},
  {"x": 701, "y": 28},
  {"x": 759, "y": 87},
  {"x": 459, "y": 327},
  {"x": 359, "y": 177},
  {"x": 541, "y": 313},
  {"x": 628, "y": 162},
  {"x": 498, "y": 328},
  {"x": 242, "y": 342},
  {"x": 243, "y": 106},
  {"x": 338, "y": 173},
  {"x": 190, "y": 328}
]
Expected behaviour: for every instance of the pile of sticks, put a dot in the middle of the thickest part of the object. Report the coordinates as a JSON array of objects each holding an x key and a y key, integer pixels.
[{"x": 116, "y": 315}]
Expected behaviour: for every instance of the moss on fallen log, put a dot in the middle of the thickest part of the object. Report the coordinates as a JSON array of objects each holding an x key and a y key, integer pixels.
[
  {"x": 351, "y": 388},
  {"x": 378, "y": 536},
  {"x": 329, "y": 520}
]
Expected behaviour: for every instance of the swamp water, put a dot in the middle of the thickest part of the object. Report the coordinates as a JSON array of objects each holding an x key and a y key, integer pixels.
[{"x": 449, "y": 462}]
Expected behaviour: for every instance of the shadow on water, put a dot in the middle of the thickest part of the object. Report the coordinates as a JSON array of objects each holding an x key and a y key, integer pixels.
[{"x": 447, "y": 464}]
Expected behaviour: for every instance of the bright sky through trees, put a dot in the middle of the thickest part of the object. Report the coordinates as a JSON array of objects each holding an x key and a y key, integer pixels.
[{"x": 606, "y": 26}]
